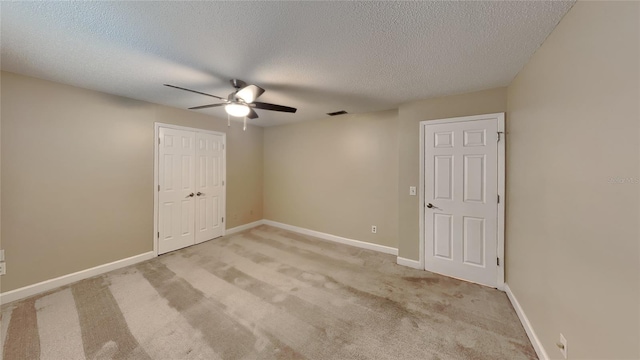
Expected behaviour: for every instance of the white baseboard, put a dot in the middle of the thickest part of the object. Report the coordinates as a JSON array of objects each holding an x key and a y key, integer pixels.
[
  {"x": 537, "y": 345},
  {"x": 334, "y": 238},
  {"x": 243, "y": 227},
  {"x": 47, "y": 285},
  {"x": 410, "y": 263}
]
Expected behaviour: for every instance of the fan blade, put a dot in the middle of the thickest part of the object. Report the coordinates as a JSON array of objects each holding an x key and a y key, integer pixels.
[
  {"x": 252, "y": 114},
  {"x": 250, "y": 93},
  {"x": 194, "y": 91},
  {"x": 273, "y": 107},
  {"x": 206, "y": 106}
]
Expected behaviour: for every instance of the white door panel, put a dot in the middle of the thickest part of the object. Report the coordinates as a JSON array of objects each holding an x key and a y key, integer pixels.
[
  {"x": 176, "y": 210},
  {"x": 461, "y": 191},
  {"x": 210, "y": 187}
]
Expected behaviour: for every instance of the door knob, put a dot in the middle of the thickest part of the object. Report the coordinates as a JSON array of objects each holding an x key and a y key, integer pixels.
[
  {"x": 430, "y": 205},
  {"x": 199, "y": 193},
  {"x": 190, "y": 195}
]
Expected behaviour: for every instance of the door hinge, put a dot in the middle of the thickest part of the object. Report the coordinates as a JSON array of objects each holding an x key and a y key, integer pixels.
[
  {"x": 158, "y": 187},
  {"x": 222, "y": 219},
  {"x": 499, "y": 135},
  {"x": 498, "y": 199},
  {"x": 498, "y": 261},
  {"x": 158, "y": 141},
  {"x": 158, "y": 234},
  {"x": 222, "y": 146},
  {"x": 222, "y": 182}
]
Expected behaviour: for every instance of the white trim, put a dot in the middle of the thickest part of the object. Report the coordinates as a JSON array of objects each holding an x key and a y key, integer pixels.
[
  {"x": 47, "y": 285},
  {"x": 421, "y": 195},
  {"x": 157, "y": 126},
  {"x": 416, "y": 264},
  {"x": 463, "y": 119},
  {"x": 537, "y": 345},
  {"x": 334, "y": 238},
  {"x": 224, "y": 179},
  {"x": 502, "y": 193},
  {"x": 244, "y": 227},
  {"x": 499, "y": 117},
  {"x": 156, "y": 183}
]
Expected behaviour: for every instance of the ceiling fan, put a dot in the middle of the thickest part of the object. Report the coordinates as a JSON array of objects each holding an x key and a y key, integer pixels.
[{"x": 241, "y": 102}]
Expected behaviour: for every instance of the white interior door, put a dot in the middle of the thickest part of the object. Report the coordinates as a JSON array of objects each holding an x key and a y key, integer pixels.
[
  {"x": 209, "y": 186},
  {"x": 461, "y": 199},
  {"x": 176, "y": 195}
]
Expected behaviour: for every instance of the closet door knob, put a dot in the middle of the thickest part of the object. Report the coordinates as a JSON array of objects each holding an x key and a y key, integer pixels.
[
  {"x": 190, "y": 195},
  {"x": 199, "y": 193}
]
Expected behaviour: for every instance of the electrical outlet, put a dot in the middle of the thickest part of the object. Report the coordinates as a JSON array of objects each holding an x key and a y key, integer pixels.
[
  {"x": 562, "y": 345},
  {"x": 374, "y": 229},
  {"x": 412, "y": 190},
  {"x": 3, "y": 268}
]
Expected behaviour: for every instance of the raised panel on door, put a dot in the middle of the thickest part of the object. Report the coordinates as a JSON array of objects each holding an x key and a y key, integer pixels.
[
  {"x": 176, "y": 155},
  {"x": 443, "y": 236},
  {"x": 461, "y": 186},
  {"x": 443, "y": 177},
  {"x": 473, "y": 237},
  {"x": 210, "y": 186},
  {"x": 474, "y": 180}
]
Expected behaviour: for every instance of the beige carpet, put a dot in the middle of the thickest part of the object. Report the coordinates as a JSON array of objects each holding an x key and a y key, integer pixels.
[{"x": 266, "y": 293}]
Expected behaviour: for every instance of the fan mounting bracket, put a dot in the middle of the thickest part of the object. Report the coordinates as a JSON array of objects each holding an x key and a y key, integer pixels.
[{"x": 238, "y": 84}]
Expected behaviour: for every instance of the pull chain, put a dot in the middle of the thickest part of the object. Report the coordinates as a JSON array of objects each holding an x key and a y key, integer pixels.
[
  {"x": 245, "y": 124},
  {"x": 228, "y": 120}
]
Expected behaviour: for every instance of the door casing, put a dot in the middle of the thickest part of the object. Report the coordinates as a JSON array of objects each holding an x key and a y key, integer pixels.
[
  {"x": 499, "y": 117},
  {"x": 156, "y": 169}
]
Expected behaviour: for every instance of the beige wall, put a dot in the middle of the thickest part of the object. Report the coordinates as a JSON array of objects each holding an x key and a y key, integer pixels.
[
  {"x": 335, "y": 175},
  {"x": 410, "y": 115},
  {"x": 77, "y": 176},
  {"x": 572, "y": 237},
  {"x": 1, "y": 172}
]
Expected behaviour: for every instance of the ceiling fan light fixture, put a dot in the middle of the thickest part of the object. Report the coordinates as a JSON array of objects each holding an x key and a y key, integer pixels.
[
  {"x": 237, "y": 110},
  {"x": 240, "y": 103}
]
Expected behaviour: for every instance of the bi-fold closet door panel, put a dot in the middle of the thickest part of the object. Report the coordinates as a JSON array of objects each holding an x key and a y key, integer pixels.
[
  {"x": 176, "y": 213},
  {"x": 191, "y": 188},
  {"x": 209, "y": 186}
]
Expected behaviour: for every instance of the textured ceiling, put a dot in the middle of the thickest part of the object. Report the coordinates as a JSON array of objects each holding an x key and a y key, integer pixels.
[{"x": 317, "y": 56}]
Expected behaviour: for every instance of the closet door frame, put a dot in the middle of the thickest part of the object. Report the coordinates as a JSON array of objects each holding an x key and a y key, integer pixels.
[{"x": 156, "y": 169}]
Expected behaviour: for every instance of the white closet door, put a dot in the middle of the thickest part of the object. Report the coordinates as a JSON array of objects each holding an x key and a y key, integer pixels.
[
  {"x": 177, "y": 189},
  {"x": 209, "y": 186}
]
